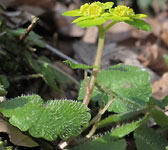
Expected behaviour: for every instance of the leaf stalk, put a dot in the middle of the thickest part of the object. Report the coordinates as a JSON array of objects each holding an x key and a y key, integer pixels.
[{"x": 97, "y": 62}]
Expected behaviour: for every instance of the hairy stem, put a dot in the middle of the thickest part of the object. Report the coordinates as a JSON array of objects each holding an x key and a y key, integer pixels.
[
  {"x": 100, "y": 113},
  {"x": 96, "y": 63},
  {"x": 93, "y": 130},
  {"x": 86, "y": 81}
]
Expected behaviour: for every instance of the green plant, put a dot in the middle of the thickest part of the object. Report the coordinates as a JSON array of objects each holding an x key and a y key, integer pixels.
[{"x": 123, "y": 91}]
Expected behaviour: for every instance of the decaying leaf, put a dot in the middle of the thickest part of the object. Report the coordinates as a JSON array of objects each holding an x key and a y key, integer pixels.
[
  {"x": 164, "y": 35},
  {"x": 160, "y": 88},
  {"x": 153, "y": 58},
  {"x": 16, "y": 136}
]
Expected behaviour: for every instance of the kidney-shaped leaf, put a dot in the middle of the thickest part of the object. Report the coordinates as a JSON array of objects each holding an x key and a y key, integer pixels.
[
  {"x": 63, "y": 118},
  {"x": 129, "y": 84}
]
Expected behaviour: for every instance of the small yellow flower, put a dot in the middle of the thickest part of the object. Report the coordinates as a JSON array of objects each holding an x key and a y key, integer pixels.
[
  {"x": 83, "y": 9},
  {"x": 123, "y": 11},
  {"x": 92, "y": 10}
]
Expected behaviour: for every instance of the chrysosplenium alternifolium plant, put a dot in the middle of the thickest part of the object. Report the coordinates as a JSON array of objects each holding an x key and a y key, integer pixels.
[
  {"x": 96, "y": 14},
  {"x": 123, "y": 90}
]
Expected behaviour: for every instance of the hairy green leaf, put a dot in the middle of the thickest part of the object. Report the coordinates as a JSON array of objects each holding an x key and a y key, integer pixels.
[
  {"x": 160, "y": 117},
  {"x": 108, "y": 140},
  {"x": 125, "y": 129},
  {"x": 148, "y": 139},
  {"x": 102, "y": 143},
  {"x": 128, "y": 84},
  {"x": 63, "y": 118},
  {"x": 79, "y": 66},
  {"x": 140, "y": 24},
  {"x": 116, "y": 118}
]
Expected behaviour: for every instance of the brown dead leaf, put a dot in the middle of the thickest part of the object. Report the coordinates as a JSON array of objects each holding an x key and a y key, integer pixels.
[
  {"x": 64, "y": 23},
  {"x": 164, "y": 35},
  {"x": 119, "y": 32},
  {"x": 15, "y": 135},
  {"x": 91, "y": 35},
  {"x": 152, "y": 57},
  {"x": 155, "y": 25},
  {"x": 160, "y": 88}
]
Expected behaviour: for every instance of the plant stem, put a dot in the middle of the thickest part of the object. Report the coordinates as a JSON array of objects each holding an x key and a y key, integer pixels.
[
  {"x": 30, "y": 27},
  {"x": 96, "y": 63},
  {"x": 100, "y": 113},
  {"x": 93, "y": 130},
  {"x": 86, "y": 81}
]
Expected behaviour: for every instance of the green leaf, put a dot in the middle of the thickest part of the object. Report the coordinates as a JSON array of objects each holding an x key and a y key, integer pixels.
[
  {"x": 148, "y": 139},
  {"x": 164, "y": 102},
  {"x": 166, "y": 58},
  {"x": 50, "y": 75},
  {"x": 63, "y": 118},
  {"x": 2, "y": 91},
  {"x": 109, "y": 139},
  {"x": 35, "y": 39},
  {"x": 32, "y": 36},
  {"x": 79, "y": 66},
  {"x": 73, "y": 13},
  {"x": 96, "y": 94},
  {"x": 160, "y": 117},
  {"x": 4, "y": 81},
  {"x": 121, "y": 131},
  {"x": 102, "y": 143},
  {"x": 79, "y": 19},
  {"x": 117, "y": 18},
  {"x": 139, "y": 24},
  {"x": 161, "y": 104},
  {"x": 116, "y": 118},
  {"x": 91, "y": 22},
  {"x": 129, "y": 84},
  {"x": 139, "y": 16}
]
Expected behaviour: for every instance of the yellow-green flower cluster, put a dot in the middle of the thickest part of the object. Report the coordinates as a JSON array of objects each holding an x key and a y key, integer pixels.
[
  {"x": 97, "y": 13},
  {"x": 95, "y": 9},
  {"x": 123, "y": 11}
]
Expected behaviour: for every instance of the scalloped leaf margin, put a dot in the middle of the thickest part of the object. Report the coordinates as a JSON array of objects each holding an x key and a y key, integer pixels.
[
  {"x": 63, "y": 118},
  {"x": 129, "y": 84}
]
